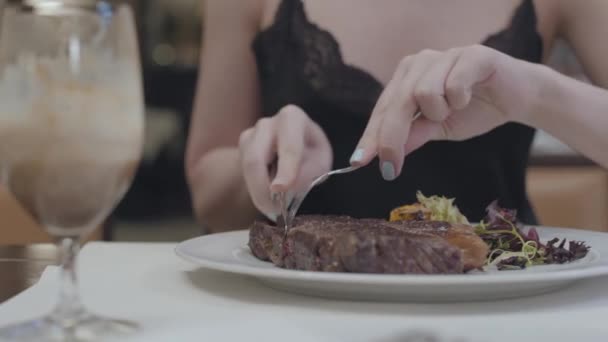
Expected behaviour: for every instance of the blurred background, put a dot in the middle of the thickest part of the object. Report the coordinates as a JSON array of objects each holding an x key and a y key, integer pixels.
[
  {"x": 157, "y": 207},
  {"x": 566, "y": 189}
]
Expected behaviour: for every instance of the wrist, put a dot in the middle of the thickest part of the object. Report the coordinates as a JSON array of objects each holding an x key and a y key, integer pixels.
[{"x": 541, "y": 88}]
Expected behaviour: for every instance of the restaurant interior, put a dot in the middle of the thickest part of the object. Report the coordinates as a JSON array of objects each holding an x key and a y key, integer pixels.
[
  {"x": 150, "y": 271},
  {"x": 566, "y": 189}
]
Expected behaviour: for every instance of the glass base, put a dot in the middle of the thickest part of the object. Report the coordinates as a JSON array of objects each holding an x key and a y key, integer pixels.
[{"x": 82, "y": 328}]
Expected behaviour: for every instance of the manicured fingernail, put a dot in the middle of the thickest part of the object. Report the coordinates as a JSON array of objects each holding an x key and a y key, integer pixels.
[
  {"x": 277, "y": 182},
  {"x": 388, "y": 171},
  {"x": 272, "y": 217},
  {"x": 357, "y": 156}
]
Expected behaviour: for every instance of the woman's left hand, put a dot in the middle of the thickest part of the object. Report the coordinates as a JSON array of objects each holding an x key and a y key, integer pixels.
[{"x": 462, "y": 93}]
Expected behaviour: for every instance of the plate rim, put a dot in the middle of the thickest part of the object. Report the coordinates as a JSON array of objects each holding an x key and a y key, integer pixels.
[{"x": 276, "y": 273}]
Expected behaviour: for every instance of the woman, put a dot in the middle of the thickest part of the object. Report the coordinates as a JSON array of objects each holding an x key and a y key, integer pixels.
[{"x": 318, "y": 83}]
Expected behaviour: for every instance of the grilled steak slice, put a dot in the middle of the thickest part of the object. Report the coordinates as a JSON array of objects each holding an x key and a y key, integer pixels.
[
  {"x": 344, "y": 244},
  {"x": 474, "y": 249},
  {"x": 266, "y": 240}
]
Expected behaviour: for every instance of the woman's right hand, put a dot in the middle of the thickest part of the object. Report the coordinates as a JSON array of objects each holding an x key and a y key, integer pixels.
[{"x": 298, "y": 144}]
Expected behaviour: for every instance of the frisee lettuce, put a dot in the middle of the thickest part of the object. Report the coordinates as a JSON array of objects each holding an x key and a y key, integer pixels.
[{"x": 442, "y": 208}]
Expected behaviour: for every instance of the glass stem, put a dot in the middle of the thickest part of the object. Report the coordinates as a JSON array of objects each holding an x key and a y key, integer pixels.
[{"x": 69, "y": 306}]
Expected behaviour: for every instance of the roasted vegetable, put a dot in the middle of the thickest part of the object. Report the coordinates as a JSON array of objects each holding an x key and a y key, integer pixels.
[
  {"x": 434, "y": 208},
  {"x": 411, "y": 212}
]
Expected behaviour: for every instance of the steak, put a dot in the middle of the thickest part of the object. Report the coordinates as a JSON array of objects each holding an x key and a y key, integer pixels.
[{"x": 345, "y": 244}]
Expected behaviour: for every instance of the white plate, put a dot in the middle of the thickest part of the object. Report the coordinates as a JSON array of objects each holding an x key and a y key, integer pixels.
[{"x": 228, "y": 252}]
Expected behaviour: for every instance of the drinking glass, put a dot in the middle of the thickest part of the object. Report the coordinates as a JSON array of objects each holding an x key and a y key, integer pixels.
[{"x": 71, "y": 136}]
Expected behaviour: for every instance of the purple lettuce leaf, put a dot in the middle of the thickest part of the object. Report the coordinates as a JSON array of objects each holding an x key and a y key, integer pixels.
[
  {"x": 501, "y": 231},
  {"x": 558, "y": 254}
]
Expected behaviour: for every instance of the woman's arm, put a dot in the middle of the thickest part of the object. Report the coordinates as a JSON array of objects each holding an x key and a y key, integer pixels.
[
  {"x": 573, "y": 111},
  {"x": 227, "y": 102},
  {"x": 468, "y": 91}
]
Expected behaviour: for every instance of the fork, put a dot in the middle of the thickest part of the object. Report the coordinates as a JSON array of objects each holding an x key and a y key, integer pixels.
[{"x": 289, "y": 210}]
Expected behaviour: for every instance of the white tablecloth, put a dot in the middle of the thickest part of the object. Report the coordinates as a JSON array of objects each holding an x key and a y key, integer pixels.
[{"x": 176, "y": 301}]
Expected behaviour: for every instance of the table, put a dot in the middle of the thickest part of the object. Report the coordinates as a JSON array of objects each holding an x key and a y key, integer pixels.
[
  {"x": 21, "y": 267},
  {"x": 174, "y": 300}
]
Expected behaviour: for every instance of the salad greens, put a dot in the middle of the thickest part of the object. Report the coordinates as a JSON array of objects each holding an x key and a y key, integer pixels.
[
  {"x": 510, "y": 246},
  {"x": 513, "y": 248},
  {"x": 441, "y": 208}
]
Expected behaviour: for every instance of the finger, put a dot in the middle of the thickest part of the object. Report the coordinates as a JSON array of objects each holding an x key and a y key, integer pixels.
[
  {"x": 429, "y": 91},
  {"x": 474, "y": 66},
  {"x": 246, "y": 136},
  {"x": 392, "y": 135},
  {"x": 291, "y": 130},
  {"x": 424, "y": 130},
  {"x": 460, "y": 125},
  {"x": 367, "y": 147},
  {"x": 395, "y": 126},
  {"x": 257, "y": 152}
]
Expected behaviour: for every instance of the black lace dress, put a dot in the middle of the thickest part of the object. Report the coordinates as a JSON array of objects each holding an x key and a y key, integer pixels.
[{"x": 300, "y": 63}]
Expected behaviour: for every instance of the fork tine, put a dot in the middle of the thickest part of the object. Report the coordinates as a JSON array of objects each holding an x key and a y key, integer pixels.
[{"x": 279, "y": 198}]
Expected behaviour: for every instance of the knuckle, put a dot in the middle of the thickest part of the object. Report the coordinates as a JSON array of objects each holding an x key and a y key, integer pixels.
[
  {"x": 477, "y": 51},
  {"x": 424, "y": 94},
  {"x": 478, "y": 48},
  {"x": 290, "y": 108},
  {"x": 245, "y": 136},
  {"x": 405, "y": 62},
  {"x": 427, "y": 53},
  {"x": 289, "y": 111},
  {"x": 264, "y": 123},
  {"x": 454, "y": 50}
]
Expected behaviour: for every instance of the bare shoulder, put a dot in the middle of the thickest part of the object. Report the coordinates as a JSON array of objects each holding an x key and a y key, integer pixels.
[
  {"x": 573, "y": 12},
  {"x": 269, "y": 10},
  {"x": 583, "y": 26},
  {"x": 580, "y": 7}
]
